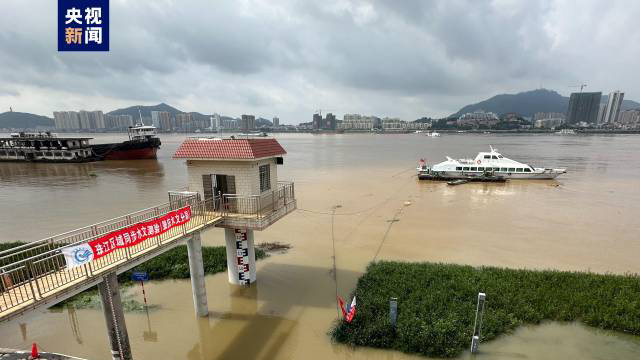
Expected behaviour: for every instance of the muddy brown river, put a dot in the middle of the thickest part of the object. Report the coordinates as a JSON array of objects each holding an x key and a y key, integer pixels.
[{"x": 586, "y": 220}]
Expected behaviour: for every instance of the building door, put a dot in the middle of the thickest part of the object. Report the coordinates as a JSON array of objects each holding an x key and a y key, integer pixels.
[{"x": 215, "y": 185}]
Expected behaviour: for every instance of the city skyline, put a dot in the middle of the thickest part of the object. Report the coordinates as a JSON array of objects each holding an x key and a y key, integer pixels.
[{"x": 443, "y": 51}]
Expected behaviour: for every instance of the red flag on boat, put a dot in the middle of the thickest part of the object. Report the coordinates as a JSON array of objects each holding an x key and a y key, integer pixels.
[{"x": 350, "y": 312}]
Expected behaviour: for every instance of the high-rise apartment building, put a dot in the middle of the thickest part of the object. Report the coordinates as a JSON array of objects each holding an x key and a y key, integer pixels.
[
  {"x": 74, "y": 120},
  {"x": 317, "y": 121},
  {"x": 583, "y": 107},
  {"x": 330, "y": 122},
  {"x": 161, "y": 120},
  {"x": 276, "y": 121},
  {"x": 118, "y": 121},
  {"x": 67, "y": 120},
  {"x": 612, "y": 110},
  {"x": 184, "y": 121},
  {"x": 248, "y": 123},
  {"x": 217, "y": 122}
]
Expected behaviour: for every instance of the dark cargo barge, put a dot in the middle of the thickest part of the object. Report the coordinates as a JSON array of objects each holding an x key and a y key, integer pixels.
[
  {"x": 142, "y": 144},
  {"x": 48, "y": 147}
]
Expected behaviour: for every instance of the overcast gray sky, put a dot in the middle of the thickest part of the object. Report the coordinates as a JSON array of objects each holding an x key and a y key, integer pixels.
[{"x": 286, "y": 58}]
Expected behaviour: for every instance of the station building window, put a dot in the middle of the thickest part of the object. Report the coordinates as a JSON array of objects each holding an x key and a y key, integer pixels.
[{"x": 265, "y": 177}]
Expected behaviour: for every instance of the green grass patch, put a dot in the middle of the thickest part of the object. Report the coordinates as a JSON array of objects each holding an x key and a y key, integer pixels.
[
  {"x": 9, "y": 245},
  {"x": 437, "y": 303}
]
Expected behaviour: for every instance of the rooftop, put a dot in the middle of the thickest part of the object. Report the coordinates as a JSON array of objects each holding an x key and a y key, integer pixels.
[{"x": 228, "y": 149}]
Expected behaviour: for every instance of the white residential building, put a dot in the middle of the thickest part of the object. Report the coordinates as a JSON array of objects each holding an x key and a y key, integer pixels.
[{"x": 612, "y": 110}]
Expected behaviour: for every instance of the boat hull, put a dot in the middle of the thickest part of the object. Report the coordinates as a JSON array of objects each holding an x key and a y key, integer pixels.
[
  {"x": 128, "y": 150},
  {"x": 451, "y": 175},
  {"x": 52, "y": 161},
  {"x": 133, "y": 154}
]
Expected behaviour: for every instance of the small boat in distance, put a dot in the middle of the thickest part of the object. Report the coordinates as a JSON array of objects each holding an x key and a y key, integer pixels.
[
  {"x": 485, "y": 164},
  {"x": 566, "y": 132},
  {"x": 433, "y": 134}
]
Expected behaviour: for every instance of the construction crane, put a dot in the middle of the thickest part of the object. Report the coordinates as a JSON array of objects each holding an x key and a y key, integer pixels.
[{"x": 581, "y": 86}]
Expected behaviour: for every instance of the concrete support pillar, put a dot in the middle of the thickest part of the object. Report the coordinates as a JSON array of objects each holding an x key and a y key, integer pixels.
[
  {"x": 196, "y": 269},
  {"x": 241, "y": 256},
  {"x": 114, "y": 317}
]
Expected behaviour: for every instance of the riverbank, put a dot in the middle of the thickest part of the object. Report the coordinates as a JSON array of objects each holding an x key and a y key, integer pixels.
[{"x": 437, "y": 303}]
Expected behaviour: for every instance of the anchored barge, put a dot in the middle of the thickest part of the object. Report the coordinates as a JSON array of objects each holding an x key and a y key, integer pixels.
[{"x": 45, "y": 147}]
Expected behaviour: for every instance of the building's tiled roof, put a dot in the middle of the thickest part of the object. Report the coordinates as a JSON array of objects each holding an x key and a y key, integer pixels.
[{"x": 228, "y": 149}]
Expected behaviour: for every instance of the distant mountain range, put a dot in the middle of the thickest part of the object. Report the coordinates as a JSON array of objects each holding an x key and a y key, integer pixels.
[
  {"x": 530, "y": 102},
  {"x": 20, "y": 120}
]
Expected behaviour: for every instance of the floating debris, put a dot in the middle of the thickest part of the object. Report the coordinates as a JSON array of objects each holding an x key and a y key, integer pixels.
[{"x": 271, "y": 247}]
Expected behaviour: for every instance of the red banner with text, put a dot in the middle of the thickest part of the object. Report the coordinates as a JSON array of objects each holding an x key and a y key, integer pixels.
[{"x": 139, "y": 232}]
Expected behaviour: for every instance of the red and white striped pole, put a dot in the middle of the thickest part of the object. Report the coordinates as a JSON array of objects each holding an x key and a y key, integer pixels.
[{"x": 144, "y": 296}]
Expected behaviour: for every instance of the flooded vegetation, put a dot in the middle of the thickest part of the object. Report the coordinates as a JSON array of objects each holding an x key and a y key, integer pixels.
[
  {"x": 274, "y": 247},
  {"x": 437, "y": 304}
]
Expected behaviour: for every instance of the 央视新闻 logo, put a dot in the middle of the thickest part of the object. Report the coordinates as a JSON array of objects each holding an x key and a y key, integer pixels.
[{"x": 83, "y": 25}]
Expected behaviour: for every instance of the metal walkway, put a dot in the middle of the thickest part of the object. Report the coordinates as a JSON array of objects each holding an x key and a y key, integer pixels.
[{"x": 35, "y": 275}]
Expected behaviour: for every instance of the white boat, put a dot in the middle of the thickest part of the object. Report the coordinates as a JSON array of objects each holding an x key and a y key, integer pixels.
[
  {"x": 484, "y": 163},
  {"x": 566, "y": 132},
  {"x": 433, "y": 134}
]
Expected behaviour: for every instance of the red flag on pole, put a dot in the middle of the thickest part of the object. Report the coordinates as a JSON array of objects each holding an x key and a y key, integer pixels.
[
  {"x": 341, "y": 302},
  {"x": 349, "y": 313}
]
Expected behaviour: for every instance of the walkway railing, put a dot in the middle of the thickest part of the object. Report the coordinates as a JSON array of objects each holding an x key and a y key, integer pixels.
[
  {"x": 37, "y": 270},
  {"x": 259, "y": 205},
  {"x": 32, "y": 271}
]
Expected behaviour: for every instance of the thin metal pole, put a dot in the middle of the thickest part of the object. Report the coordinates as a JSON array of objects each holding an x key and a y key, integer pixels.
[
  {"x": 144, "y": 295},
  {"x": 477, "y": 324}
]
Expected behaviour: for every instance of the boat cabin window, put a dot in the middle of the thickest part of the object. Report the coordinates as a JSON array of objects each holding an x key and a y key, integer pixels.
[
  {"x": 494, "y": 157},
  {"x": 474, "y": 168},
  {"x": 487, "y": 156},
  {"x": 512, "y": 169},
  {"x": 2, "y": 152},
  {"x": 12, "y": 153},
  {"x": 527, "y": 170},
  {"x": 480, "y": 169},
  {"x": 465, "y": 168},
  {"x": 499, "y": 156},
  {"x": 519, "y": 170},
  {"x": 48, "y": 153},
  {"x": 503, "y": 169},
  {"x": 458, "y": 168}
]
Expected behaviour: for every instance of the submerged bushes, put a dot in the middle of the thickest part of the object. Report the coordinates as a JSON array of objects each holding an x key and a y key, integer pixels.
[
  {"x": 437, "y": 303},
  {"x": 174, "y": 264}
]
